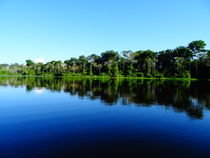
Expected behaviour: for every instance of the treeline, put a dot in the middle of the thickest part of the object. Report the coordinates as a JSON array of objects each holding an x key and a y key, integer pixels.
[{"x": 192, "y": 61}]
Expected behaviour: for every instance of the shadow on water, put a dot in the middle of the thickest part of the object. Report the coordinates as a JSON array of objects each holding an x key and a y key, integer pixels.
[{"x": 191, "y": 97}]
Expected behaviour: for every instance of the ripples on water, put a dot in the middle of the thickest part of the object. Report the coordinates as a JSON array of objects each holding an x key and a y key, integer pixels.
[{"x": 46, "y": 117}]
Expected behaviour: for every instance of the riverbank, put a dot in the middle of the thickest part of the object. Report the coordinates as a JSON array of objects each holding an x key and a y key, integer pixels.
[{"x": 99, "y": 77}]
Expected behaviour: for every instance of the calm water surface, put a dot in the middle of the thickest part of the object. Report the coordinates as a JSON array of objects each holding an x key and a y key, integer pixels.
[{"x": 47, "y": 118}]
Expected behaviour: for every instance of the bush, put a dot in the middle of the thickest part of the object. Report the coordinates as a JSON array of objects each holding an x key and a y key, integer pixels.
[
  {"x": 129, "y": 73},
  {"x": 186, "y": 74},
  {"x": 159, "y": 75},
  {"x": 148, "y": 75},
  {"x": 139, "y": 74},
  {"x": 103, "y": 74}
]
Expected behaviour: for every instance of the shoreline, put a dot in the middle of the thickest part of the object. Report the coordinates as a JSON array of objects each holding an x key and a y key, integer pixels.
[{"x": 104, "y": 77}]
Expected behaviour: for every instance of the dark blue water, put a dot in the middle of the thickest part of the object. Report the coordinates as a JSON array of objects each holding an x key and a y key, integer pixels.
[{"x": 47, "y": 118}]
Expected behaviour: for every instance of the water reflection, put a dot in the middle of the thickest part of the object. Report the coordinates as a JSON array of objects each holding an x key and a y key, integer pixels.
[
  {"x": 191, "y": 97},
  {"x": 38, "y": 91}
]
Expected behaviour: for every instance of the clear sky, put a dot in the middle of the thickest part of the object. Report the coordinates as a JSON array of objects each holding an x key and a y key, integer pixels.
[{"x": 60, "y": 29}]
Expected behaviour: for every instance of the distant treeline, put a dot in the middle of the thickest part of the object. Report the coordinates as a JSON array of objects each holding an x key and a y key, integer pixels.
[{"x": 192, "y": 61}]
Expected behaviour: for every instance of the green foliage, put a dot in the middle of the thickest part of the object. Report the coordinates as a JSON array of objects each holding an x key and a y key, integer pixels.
[
  {"x": 139, "y": 74},
  {"x": 148, "y": 75},
  {"x": 158, "y": 75},
  {"x": 29, "y": 62},
  {"x": 182, "y": 62},
  {"x": 197, "y": 46},
  {"x": 185, "y": 74}
]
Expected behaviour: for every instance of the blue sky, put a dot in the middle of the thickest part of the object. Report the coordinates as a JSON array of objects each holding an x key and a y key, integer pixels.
[{"x": 60, "y": 29}]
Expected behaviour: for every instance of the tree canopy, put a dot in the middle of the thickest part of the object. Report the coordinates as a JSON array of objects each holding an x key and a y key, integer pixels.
[{"x": 188, "y": 61}]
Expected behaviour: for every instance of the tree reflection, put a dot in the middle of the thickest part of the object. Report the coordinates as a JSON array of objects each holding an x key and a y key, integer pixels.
[{"x": 191, "y": 97}]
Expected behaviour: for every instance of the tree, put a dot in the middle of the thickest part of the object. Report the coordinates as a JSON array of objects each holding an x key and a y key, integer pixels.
[
  {"x": 145, "y": 61},
  {"x": 127, "y": 54},
  {"x": 73, "y": 66},
  {"x": 94, "y": 61},
  {"x": 38, "y": 69},
  {"x": 58, "y": 68},
  {"x": 108, "y": 59},
  {"x": 82, "y": 64},
  {"x": 115, "y": 70},
  {"x": 183, "y": 61},
  {"x": 183, "y": 52},
  {"x": 29, "y": 62},
  {"x": 110, "y": 56},
  {"x": 197, "y": 47}
]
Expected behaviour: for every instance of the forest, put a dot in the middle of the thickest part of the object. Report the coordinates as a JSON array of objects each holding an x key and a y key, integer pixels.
[{"x": 191, "y": 61}]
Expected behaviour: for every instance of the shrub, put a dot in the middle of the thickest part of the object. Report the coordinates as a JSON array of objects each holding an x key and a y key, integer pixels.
[
  {"x": 139, "y": 74},
  {"x": 148, "y": 75},
  {"x": 159, "y": 75},
  {"x": 185, "y": 74}
]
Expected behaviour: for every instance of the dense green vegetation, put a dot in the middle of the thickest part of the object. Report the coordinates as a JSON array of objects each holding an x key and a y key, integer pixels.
[{"x": 192, "y": 61}]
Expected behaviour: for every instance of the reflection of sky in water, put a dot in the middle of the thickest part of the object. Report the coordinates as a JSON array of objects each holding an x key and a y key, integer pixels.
[
  {"x": 76, "y": 118},
  {"x": 56, "y": 123},
  {"x": 38, "y": 91}
]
